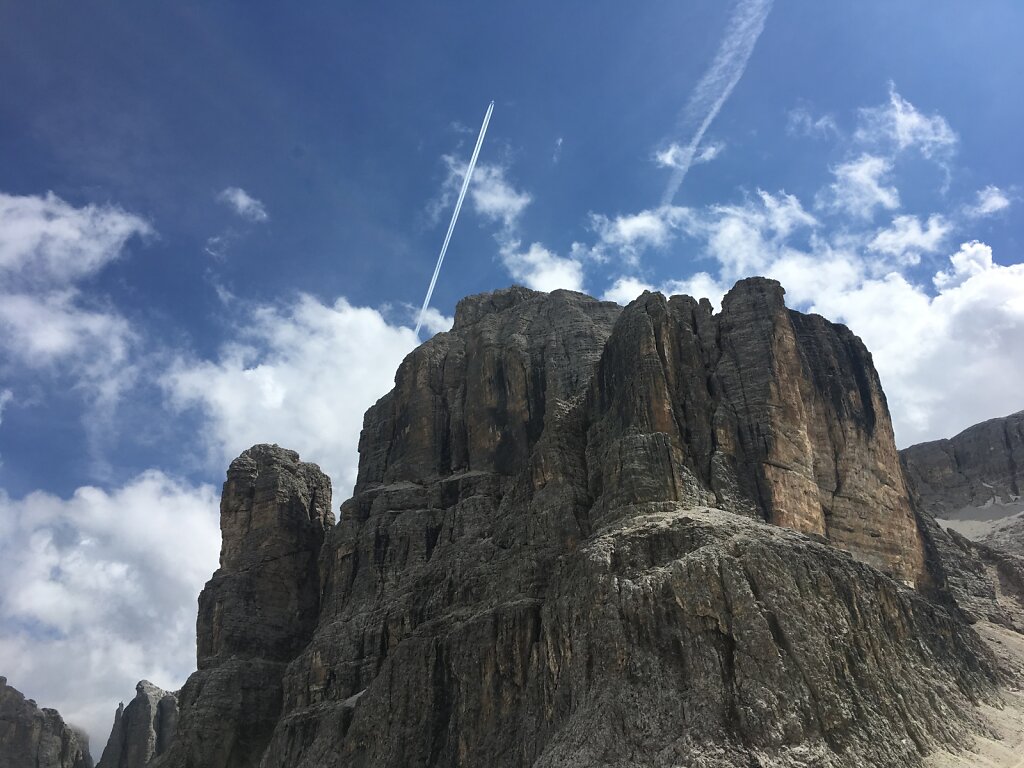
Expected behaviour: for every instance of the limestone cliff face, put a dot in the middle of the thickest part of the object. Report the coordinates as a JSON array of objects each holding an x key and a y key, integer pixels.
[
  {"x": 529, "y": 572},
  {"x": 31, "y": 737},
  {"x": 581, "y": 535},
  {"x": 257, "y": 611},
  {"x": 778, "y": 415},
  {"x": 973, "y": 481},
  {"x": 143, "y": 729},
  {"x": 982, "y": 466}
]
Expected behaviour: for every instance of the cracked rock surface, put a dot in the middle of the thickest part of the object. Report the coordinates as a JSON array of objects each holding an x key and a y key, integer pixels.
[{"x": 584, "y": 535}]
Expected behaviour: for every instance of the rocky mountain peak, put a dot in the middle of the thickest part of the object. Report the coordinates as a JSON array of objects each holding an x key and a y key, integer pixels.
[{"x": 590, "y": 535}]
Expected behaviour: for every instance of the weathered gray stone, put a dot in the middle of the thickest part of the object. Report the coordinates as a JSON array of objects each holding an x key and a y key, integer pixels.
[
  {"x": 983, "y": 465},
  {"x": 31, "y": 737},
  {"x": 581, "y": 535},
  {"x": 143, "y": 729},
  {"x": 257, "y": 612},
  {"x": 974, "y": 479}
]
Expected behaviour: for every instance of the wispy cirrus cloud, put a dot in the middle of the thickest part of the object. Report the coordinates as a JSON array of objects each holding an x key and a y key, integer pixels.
[
  {"x": 801, "y": 122},
  {"x": 901, "y": 125},
  {"x": 742, "y": 32}
]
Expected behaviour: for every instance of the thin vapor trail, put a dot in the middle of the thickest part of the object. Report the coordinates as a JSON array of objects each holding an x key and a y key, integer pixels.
[
  {"x": 455, "y": 215},
  {"x": 744, "y": 28}
]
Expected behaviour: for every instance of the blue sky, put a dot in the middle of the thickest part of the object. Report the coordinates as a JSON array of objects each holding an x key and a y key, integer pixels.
[{"x": 217, "y": 220}]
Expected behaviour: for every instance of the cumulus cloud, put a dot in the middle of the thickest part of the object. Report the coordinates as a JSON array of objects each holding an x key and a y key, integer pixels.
[
  {"x": 700, "y": 285},
  {"x": 45, "y": 241},
  {"x": 742, "y": 238},
  {"x": 906, "y": 239},
  {"x": 990, "y": 200},
  {"x": 434, "y": 320},
  {"x": 47, "y": 247},
  {"x": 98, "y": 591},
  {"x": 625, "y": 289},
  {"x": 901, "y": 125},
  {"x": 946, "y": 360},
  {"x": 973, "y": 259},
  {"x": 301, "y": 375},
  {"x": 491, "y": 193},
  {"x": 860, "y": 187},
  {"x": 628, "y": 235},
  {"x": 244, "y": 204},
  {"x": 540, "y": 269}
]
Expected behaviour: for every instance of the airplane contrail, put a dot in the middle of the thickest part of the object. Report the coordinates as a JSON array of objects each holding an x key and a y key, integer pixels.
[
  {"x": 745, "y": 27},
  {"x": 455, "y": 216}
]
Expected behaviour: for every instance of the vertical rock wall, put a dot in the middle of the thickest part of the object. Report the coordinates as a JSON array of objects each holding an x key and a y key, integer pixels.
[{"x": 257, "y": 612}]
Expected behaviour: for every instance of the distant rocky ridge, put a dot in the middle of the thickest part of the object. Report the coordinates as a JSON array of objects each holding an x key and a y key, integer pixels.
[
  {"x": 982, "y": 468},
  {"x": 31, "y": 737},
  {"x": 587, "y": 535}
]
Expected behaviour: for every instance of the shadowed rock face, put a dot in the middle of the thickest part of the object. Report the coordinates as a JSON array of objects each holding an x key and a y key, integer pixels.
[
  {"x": 982, "y": 466},
  {"x": 143, "y": 729},
  {"x": 31, "y": 737},
  {"x": 582, "y": 535},
  {"x": 974, "y": 478}
]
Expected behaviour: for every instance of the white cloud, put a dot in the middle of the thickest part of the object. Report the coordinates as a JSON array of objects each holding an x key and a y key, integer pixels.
[
  {"x": 700, "y": 286},
  {"x": 675, "y": 156},
  {"x": 991, "y": 200},
  {"x": 629, "y": 235},
  {"x": 859, "y": 187},
  {"x": 743, "y": 239},
  {"x": 6, "y": 396},
  {"x": 540, "y": 269},
  {"x": 46, "y": 241},
  {"x": 800, "y": 122},
  {"x": 625, "y": 289},
  {"x": 905, "y": 239},
  {"x": 433, "y": 320},
  {"x": 302, "y": 376},
  {"x": 244, "y": 204},
  {"x": 949, "y": 360},
  {"x": 973, "y": 259},
  {"x": 742, "y": 32},
  {"x": 99, "y": 591},
  {"x": 902, "y": 125},
  {"x": 493, "y": 196},
  {"x": 41, "y": 330},
  {"x": 46, "y": 246},
  {"x": 946, "y": 360}
]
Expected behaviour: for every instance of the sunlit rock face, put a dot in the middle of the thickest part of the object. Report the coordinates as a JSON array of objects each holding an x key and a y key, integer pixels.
[{"x": 588, "y": 535}]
